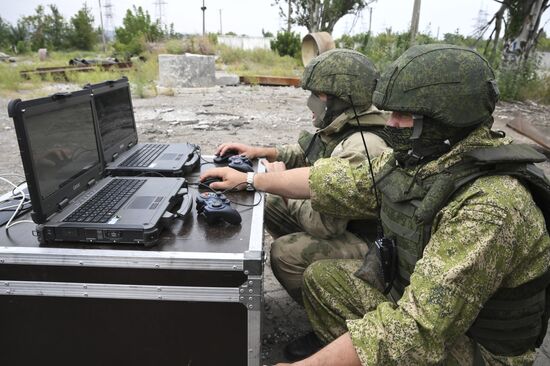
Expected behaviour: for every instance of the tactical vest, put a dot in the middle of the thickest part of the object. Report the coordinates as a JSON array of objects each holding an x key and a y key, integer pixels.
[
  {"x": 315, "y": 148},
  {"x": 512, "y": 321}
]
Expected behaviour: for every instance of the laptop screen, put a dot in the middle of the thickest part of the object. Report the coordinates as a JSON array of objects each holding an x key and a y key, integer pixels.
[
  {"x": 63, "y": 145},
  {"x": 115, "y": 116}
]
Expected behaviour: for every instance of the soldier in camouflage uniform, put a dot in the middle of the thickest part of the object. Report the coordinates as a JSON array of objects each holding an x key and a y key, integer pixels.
[
  {"x": 460, "y": 276},
  {"x": 336, "y": 79}
]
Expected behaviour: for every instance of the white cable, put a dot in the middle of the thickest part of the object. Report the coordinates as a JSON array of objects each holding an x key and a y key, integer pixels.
[{"x": 21, "y": 203}]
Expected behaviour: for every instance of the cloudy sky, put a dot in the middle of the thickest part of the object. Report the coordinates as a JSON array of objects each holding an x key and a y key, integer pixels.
[{"x": 251, "y": 16}]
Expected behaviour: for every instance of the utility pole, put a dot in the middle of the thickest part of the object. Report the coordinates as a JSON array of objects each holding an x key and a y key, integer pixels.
[
  {"x": 102, "y": 29},
  {"x": 414, "y": 22},
  {"x": 221, "y": 32},
  {"x": 203, "y": 8},
  {"x": 289, "y": 22},
  {"x": 159, "y": 7},
  {"x": 370, "y": 18}
]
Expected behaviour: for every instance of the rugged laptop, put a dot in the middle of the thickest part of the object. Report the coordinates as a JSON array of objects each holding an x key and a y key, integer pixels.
[
  {"x": 71, "y": 199},
  {"x": 119, "y": 139}
]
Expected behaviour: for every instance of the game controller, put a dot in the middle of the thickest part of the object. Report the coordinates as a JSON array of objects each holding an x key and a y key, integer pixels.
[
  {"x": 216, "y": 207},
  {"x": 210, "y": 180},
  {"x": 223, "y": 159},
  {"x": 240, "y": 163}
]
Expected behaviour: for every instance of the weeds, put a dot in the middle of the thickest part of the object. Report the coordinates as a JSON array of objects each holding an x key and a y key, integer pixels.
[{"x": 258, "y": 62}]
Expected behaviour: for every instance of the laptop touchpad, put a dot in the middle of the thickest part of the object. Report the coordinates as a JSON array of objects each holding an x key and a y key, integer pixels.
[{"x": 142, "y": 202}]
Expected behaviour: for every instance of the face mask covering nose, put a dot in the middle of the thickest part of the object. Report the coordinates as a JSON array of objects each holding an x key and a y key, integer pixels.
[{"x": 318, "y": 107}]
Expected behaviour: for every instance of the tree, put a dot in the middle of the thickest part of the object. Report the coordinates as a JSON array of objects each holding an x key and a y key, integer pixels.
[
  {"x": 287, "y": 43},
  {"x": 4, "y": 34},
  {"x": 18, "y": 37},
  {"x": 46, "y": 30},
  {"x": 137, "y": 29},
  {"x": 521, "y": 22},
  {"x": 319, "y": 15},
  {"x": 82, "y": 34}
]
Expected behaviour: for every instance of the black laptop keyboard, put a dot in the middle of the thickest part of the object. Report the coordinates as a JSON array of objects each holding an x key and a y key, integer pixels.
[
  {"x": 145, "y": 155},
  {"x": 105, "y": 203}
]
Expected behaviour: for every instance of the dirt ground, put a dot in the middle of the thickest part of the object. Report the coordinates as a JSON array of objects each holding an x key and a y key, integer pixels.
[{"x": 250, "y": 114}]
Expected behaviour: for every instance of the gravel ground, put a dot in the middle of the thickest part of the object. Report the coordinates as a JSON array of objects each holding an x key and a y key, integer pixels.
[{"x": 250, "y": 114}]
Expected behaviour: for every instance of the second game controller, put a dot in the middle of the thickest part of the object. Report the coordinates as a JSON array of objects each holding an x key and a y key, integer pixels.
[
  {"x": 223, "y": 159},
  {"x": 216, "y": 207},
  {"x": 240, "y": 163}
]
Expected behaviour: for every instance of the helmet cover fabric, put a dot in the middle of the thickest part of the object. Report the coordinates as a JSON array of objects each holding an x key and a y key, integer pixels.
[
  {"x": 451, "y": 85},
  {"x": 342, "y": 73}
]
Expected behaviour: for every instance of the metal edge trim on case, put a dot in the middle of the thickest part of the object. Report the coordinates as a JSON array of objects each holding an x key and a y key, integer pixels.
[
  {"x": 116, "y": 291},
  {"x": 257, "y": 228},
  {"x": 121, "y": 259}
]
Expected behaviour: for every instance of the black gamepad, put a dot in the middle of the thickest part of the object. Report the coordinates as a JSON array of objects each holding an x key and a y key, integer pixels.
[
  {"x": 215, "y": 207},
  {"x": 240, "y": 163},
  {"x": 209, "y": 181},
  {"x": 223, "y": 159}
]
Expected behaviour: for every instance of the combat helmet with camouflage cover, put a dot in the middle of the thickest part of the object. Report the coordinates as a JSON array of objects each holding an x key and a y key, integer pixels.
[
  {"x": 451, "y": 85},
  {"x": 342, "y": 72}
]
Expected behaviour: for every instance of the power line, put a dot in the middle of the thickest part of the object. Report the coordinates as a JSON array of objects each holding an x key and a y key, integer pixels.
[
  {"x": 159, "y": 7},
  {"x": 109, "y": 24}
]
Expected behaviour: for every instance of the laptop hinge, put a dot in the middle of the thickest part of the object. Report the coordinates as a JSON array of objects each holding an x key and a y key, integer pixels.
[
  {"x": 61, "y": 205},
  {"x": 130, "y": 144},
  {"x": 91, "y": 182},
  {"x": 115, "y": 155}
]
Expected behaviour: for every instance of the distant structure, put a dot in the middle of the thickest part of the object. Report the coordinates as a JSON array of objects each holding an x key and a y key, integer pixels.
[
  {"x": 481, "y": 21},
  {"x": 109, "y": 24},
  {"x": 159, "y": 9}
]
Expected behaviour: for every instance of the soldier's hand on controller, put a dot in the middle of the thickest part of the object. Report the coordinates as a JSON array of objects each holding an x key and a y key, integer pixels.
[
  {"x": 241, "y": 149},
  {"x": 231, "y": 178}
]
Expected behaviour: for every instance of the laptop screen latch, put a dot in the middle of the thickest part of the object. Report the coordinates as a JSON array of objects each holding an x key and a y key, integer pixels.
[
  {"x": 91, "y": 182},
  {"x": 61, "y": 205}
]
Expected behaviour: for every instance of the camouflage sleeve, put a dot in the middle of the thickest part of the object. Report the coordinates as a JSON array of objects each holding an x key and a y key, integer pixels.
[
  {"x": 323, "y": 225},
  {"x": 341, "y": 190},
  {"x": 490, "y": 235},
  {"x": 292, "y": 155}
]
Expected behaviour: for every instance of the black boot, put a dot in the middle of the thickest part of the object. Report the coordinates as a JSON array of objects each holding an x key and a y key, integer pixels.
[{"x": 302, "y": 347}]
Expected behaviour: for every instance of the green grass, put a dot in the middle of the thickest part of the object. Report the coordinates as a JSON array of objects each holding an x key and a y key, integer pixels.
[
  {"x": 258, "y": 62},
  {"x": 142, "y": 77}
]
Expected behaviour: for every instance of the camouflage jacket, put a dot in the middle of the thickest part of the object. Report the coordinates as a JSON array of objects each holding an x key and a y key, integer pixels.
[
  {"x": 489, "y": 235},
  {"x": 351, "y": 149}
]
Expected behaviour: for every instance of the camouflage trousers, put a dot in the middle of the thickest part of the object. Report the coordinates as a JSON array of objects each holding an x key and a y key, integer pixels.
[
  {"x": 293, "y": 250},
  {"x": 332, "y": 294}
]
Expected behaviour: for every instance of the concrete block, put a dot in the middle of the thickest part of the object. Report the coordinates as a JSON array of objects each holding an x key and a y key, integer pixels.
[
  {"x": 186, "y": 71},
  {"x": 223, "y": 79}
]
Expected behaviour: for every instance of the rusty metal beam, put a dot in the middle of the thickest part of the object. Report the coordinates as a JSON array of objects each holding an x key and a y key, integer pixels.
[
  {"x": 61, "y": 71},
  {"x": 526, "y": 128},
  {"x": 270, "y": 80}
]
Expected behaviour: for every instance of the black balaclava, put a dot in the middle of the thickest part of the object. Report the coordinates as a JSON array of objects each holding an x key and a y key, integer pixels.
[{"x": 427, "y": 140}]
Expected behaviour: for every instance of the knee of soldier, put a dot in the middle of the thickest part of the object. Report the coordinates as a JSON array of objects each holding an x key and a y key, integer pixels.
[
  {"x": 316, "y": 273},
  {"x": 283, "y": 254}
]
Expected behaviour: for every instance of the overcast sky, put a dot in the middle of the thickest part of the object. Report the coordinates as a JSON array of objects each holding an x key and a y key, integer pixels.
[{"x": 251, "y": 16}]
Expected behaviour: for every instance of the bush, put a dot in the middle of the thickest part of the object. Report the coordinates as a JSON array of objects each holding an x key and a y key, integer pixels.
[
  {"x": 198, "y": 45},
  {"x": 213, "y": 38},
  {"x": 287, "y": 43},
  {"x": 258, "y": 62},
  {"x": 174, "y": 46},
  {"x": 513, "y": 78}
]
